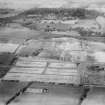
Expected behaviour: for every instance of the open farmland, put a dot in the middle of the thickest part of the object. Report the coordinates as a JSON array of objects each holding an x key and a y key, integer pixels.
[
  {"x": 26, "y": 65},
  {"x": 48, "y": 56}
]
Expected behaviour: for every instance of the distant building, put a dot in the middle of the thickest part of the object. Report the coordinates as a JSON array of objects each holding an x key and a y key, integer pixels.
[
  {"x": 86, "y": 24},
  {"x": 70, "y": 21},
  {"x": 33, "y": 16},
  {"x": 51, "y": 17}
]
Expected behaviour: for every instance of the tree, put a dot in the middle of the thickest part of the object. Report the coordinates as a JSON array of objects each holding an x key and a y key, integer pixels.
[{"x": 80, "y": 13}]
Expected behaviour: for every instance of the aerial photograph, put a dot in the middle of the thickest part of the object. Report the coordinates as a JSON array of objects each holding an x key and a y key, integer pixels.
[{"x": 52, "y": 52}]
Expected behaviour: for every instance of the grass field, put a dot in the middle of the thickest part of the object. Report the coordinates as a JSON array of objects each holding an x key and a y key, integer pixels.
[
  {"x": 17, "y": 35},
  {"x": 57, "y": 95},
  {"x": 8, "y": 89},
  {"x": 96, "y": 96}
]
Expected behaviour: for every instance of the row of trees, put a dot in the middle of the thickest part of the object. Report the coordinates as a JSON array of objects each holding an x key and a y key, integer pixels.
[{"x": 74, "y": 12}]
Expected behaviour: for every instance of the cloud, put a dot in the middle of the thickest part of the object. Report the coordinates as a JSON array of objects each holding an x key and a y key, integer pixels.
[
  {"x": 74, "y": 5},
  {"x": 26, "y": 4},
  {"x": 17, "y": 4},
  {"x": 52, "y": 3}
]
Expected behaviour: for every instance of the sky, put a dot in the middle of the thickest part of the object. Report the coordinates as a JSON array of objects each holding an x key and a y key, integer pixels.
[{"x": 26, "y": 4}]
